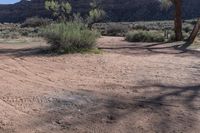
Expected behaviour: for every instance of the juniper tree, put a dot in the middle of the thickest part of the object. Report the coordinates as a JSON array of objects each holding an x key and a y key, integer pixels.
[
  {"x": 178, "y": 22},
  {"x": 60, "y": 10},
  {"x": 177, "y": 18},
  {"x": 96, "y": 14}
]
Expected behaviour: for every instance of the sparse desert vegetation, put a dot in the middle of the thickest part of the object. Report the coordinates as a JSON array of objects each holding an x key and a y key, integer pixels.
[
  {"x": 145, "y": 36},
  {"x": 75, "y": 72},
  {"x": 15, "y": 31},
  {"x": 158, "y": 31}
]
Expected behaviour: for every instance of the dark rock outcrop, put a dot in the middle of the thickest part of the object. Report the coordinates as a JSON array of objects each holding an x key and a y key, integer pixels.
[{"x": 117, "y": 10}]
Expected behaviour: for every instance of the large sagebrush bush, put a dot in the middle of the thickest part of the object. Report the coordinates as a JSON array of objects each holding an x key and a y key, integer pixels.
[{"x": 70, "y": 37}]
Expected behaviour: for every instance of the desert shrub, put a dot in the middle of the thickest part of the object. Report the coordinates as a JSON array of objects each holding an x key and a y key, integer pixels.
[
  {"x": 144, "y": 36},
  {"x": 36, "y": 22},
  {"x": 14, "y": 35},
  {"x": 15, "y": 31},
  {"x": 9, "y": 34},
  {"x": 172, "y": 36},
  {"x": 139, "y": 27},
  {"x": 30, "y": 32},
  {"x": 69, "y": 37},
  {"x": 187, "y": 28},
  {"x": 116, "y": 30},
  {"x": 193, "y": 22}
]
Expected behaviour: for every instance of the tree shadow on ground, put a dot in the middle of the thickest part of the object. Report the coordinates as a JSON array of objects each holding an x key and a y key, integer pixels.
[
  {"x": 175, "y": 48},
  {"x": 28, "y": 51},
  {"x": 169, "y": 109},
  {"x": 143, "y": 49},
  {"x": 36, "y": 51}
]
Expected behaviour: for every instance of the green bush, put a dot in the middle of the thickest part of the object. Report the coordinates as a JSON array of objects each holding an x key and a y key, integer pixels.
[
  {"x": 140, "y": 27},
  {"x": 30, "y": 32},
  {"x": 116, "y": 30},
  {"x": 36, "y": 22},
  {"x": 9, "y": 34},
  {"x": 145, "y": 36},
  {"x": 69, "y": 37},
  {"x": 172, "y": 36},
  {"x": 16, "y": 31}
]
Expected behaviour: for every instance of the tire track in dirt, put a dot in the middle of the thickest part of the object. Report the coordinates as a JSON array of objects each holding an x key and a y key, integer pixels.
[
  {"x": 32, "y": 104},
  {"x": 34, "y": 76},
  {"x": 20, "y": 73}
]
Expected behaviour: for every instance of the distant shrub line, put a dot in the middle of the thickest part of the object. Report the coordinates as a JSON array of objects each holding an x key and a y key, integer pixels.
[{"x": 144, "y": 36}]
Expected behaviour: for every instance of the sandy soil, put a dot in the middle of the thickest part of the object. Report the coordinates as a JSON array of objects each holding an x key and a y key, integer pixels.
[{"x": 129, "y": 88}]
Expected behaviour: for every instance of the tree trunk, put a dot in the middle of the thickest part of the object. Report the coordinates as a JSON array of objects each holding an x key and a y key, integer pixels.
[
  {"x": 178, "y": 20},
  {"x": 194, "y": 33}
]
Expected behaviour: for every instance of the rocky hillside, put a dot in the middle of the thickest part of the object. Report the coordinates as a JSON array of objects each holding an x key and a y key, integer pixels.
[{"x": 117, "y": 10}]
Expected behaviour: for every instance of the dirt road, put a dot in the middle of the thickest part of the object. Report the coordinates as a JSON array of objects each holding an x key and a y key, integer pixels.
[{"x": 129, "y": 88}]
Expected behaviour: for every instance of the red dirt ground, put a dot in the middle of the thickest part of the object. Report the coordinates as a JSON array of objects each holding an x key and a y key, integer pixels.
[{"x": 129, "y": 88}]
